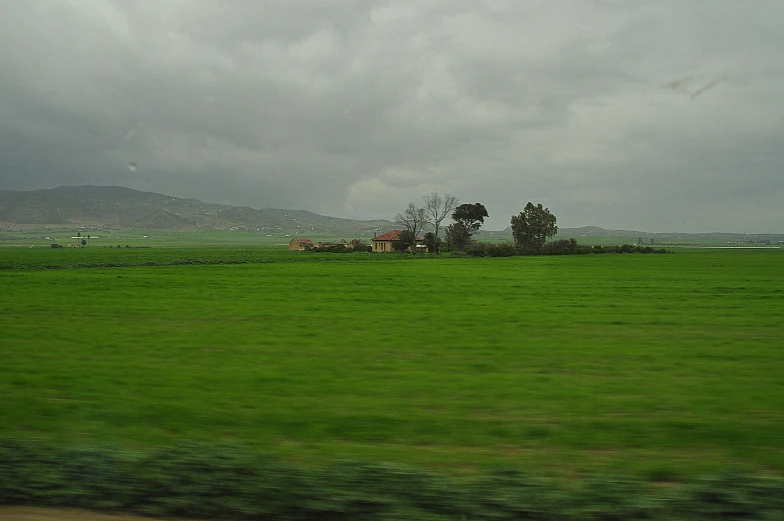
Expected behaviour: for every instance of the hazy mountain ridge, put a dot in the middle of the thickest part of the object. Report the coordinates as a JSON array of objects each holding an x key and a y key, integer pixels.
[
  {"x": 594, "y": 234},
  {"x": 114, "y": 207},
  {"x": 119, "y": 207}
]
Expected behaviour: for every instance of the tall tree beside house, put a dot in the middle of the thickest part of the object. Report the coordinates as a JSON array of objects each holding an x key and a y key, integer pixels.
[
  {"x": 405, "y": 240},
  {"x": 438, "y": 208},
  {"x": 432, "y": 242},
  {"x": 457, "y": 236},
  {"x": 533, "y": 226},
  {"x": 468, "y": 219},
  {"x": 412, "y": 219}
]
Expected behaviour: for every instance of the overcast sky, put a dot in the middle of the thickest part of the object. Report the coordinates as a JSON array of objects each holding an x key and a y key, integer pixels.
[{"x": 646, "y": 115}]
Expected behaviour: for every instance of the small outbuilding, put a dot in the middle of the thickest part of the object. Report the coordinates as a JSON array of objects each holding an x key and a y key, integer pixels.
[{"x": 300, "y": 244}]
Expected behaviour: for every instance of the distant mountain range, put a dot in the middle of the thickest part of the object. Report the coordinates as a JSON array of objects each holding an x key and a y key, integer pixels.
[{"x": 114, "y": 207}]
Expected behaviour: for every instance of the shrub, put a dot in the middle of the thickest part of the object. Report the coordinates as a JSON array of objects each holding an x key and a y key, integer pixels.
[
  {"x": 333, "y": 248},
  {"x": 501, "y": 250},
  {"x": 561, "y": 247},
  {"x": 202, "y": 480}
]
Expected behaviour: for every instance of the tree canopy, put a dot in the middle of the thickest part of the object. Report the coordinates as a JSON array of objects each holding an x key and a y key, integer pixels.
[
  {"x": 432, "y": 242},
  {"x": 467, "y": 220},
  {"x": 406, "y": 240},
  {"x": 533, "y": 226},
  {"x": 471, "y": 216},
  {"x": 458, "y": 236}
]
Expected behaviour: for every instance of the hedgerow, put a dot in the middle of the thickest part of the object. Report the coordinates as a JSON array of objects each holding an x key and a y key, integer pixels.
[
  {"x": 559, "y": 247},
  {"x": 203, "y": 480}
]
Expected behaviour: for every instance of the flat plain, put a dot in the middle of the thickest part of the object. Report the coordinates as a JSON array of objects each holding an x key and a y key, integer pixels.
[{"x": 665, "y": 366}]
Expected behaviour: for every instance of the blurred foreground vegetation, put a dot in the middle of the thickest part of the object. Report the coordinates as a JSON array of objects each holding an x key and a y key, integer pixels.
[{"x": 224, "y": 482}]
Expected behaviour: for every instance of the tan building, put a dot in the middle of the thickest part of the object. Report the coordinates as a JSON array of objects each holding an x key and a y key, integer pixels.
[
  {"x": 300, "y": 244},
  {"x": 385, "y": 242}
]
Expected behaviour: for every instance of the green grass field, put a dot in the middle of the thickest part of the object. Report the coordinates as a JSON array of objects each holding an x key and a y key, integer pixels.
[
  {"x": 43, "y": 238},
  {"x": 664, "y": 366}
]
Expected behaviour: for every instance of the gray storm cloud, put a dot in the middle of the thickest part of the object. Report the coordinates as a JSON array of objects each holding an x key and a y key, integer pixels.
[{"x": 654, "y": 116}]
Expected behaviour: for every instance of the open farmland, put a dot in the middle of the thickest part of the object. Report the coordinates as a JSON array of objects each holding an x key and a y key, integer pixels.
[{"x": 659, "y": 365}]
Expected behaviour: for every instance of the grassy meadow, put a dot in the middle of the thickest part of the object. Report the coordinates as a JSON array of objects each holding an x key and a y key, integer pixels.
[{"x": 663, "y": 366}]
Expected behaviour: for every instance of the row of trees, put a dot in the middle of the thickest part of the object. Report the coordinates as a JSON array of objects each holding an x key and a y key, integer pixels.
[
  {"x": 468, "y": 218},
  {"x": 531, "y": 228}
]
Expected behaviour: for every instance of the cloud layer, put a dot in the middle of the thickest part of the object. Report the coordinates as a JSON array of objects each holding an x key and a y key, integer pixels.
[{"x": 658, "y": 116}]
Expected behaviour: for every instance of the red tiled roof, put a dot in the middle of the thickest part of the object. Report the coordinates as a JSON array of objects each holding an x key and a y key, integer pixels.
[
  {"x": 304, "y": 241},
  {"x": 394, "y": 235}
]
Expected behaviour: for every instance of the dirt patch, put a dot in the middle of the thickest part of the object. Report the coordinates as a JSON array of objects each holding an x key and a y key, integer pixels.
[{"x": 63, "y": 514}]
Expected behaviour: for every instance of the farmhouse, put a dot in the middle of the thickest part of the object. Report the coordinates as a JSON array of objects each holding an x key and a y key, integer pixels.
[
  {"x": 300, "y": 244},
  {"x": 385, "y": 242}
]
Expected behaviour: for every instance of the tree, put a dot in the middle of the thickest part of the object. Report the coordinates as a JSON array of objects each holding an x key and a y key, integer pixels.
[
  {"x": 470, "y": 216},
  {"x": 412, "y": 219},
  {"x": 533, "y": 226},
  {"x": 438, "y": 208},
  {"x": 405, "y": 240},
  {"x": 432, "y": 242},
  {"x": 458, "y": 236}
]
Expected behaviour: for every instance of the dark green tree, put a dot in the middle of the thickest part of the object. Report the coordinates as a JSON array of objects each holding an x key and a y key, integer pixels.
[
  {"x": 406, "y": 240},
  {"x": 533, "y": 226},
  {"x": 458, "y": 236},
  {"x": 432, "y": 242},
  {"x": 470, "y": 216}
]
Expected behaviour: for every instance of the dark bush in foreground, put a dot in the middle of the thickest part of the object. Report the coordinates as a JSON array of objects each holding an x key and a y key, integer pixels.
[{"x": 208, "y": 481}]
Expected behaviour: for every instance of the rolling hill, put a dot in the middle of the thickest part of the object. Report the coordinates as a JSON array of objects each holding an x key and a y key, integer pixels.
[
  {"x": 116, "y": 207},
  {"x": 107, "y": 207}
]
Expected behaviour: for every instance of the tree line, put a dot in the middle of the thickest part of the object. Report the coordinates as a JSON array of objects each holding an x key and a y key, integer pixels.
[{"x": 530, "y": 229}]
